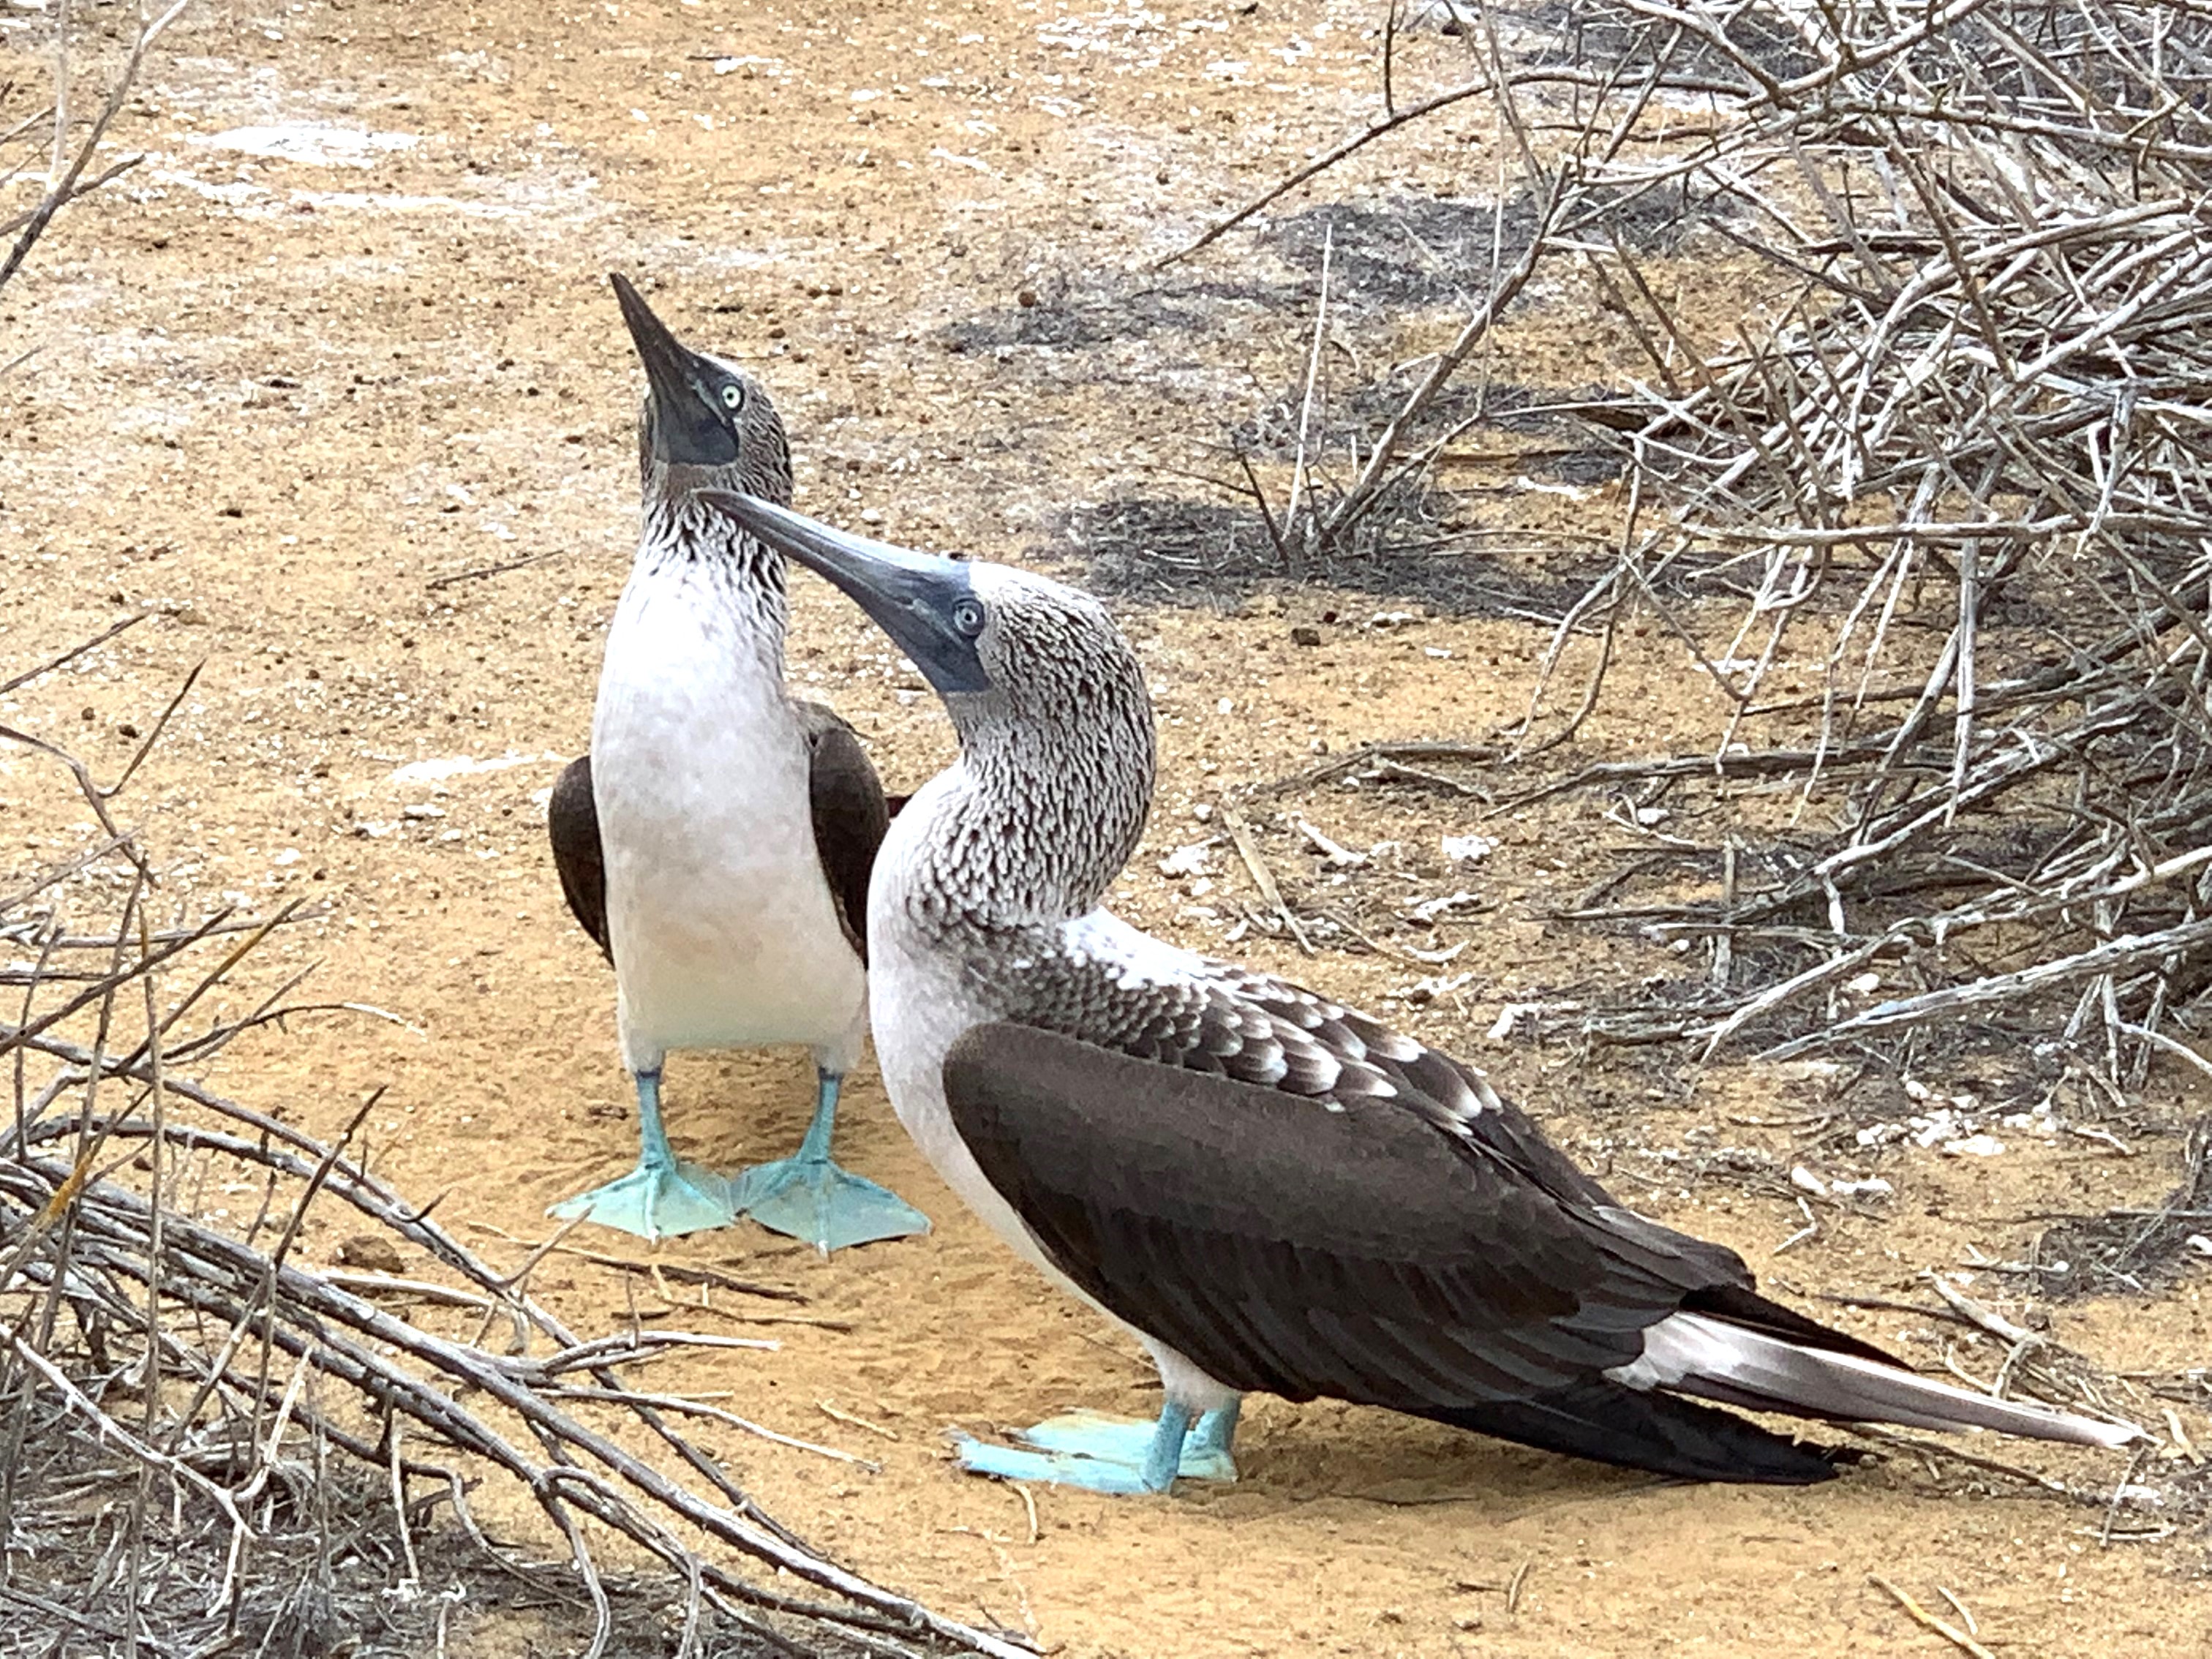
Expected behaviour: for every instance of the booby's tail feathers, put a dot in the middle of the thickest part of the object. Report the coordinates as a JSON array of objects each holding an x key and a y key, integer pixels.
[
  {"x": 1697, "y": 1354},
  {"x": 1610, "y": 1424}
]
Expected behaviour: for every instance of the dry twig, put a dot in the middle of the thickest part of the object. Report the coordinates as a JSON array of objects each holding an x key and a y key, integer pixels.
[
  {"x": 246, "y": 1374},
  {"x": 1927, "y": 1620},
  {"x": 68, "y": 181}
]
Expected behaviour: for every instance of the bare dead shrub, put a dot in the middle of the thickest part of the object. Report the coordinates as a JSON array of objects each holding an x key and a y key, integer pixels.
[{"x": 210, "y": 1441}]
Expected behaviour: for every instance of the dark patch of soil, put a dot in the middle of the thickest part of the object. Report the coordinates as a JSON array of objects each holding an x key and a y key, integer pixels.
[
  {"x": 1586, "y": 35},
  {"x": 1072, "y": 313},
  {"x": 1387, "y": 256},
  {"x": 1179, "y": 550},
  {"x": 1411, "y": 250},
  {"x": 1570, "y": 455},
  {"x": 2137, "y": 1251}
]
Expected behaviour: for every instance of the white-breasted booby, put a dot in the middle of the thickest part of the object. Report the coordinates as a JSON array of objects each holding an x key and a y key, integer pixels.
[
  {"x": 717, "y": 839},
  {"x": 1272, "y": 1191}
]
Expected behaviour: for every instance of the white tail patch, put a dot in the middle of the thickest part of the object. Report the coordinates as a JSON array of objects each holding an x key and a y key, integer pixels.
[{"x": 1695, "y": 1354}]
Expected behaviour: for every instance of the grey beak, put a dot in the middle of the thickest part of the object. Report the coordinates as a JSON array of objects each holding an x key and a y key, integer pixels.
[
  {"x": 688, "y": 429},
  {"x": 915, "y": 598}
]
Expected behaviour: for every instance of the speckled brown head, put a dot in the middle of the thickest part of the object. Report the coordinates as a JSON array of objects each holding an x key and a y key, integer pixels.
[
  {"x": 706, "y": 423},
  {"x": 1055, "y": 725}
]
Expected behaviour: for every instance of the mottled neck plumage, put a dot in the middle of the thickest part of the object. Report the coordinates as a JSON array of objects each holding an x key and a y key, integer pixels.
[
  {"x": 1032, "y": 824},
  {"x": 679, "y": 537}
]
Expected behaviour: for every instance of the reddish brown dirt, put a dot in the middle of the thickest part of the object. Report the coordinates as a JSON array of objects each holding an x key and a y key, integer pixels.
[{"x": 276, "y": 400}]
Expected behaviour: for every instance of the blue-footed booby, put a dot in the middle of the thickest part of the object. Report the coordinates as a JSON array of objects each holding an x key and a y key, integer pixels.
[
  {"x": 716, "y": 841},
  {"x": 1273, "y": 1191}
]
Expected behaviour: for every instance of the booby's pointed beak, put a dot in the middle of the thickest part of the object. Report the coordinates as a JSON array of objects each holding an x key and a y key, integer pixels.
[
  {"x": 688, "y": 428},
  {"x": 926, "y": 605}
]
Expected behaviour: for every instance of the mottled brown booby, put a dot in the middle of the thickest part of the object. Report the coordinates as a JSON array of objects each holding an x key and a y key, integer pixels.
[{"x": 1272, "y": 1191}]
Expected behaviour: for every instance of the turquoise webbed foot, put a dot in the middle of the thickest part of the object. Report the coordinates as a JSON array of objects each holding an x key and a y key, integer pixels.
[
  {"x": 830, "y": 1208},
  {"x": 664, "y": 1196},
  {"x": 809, "y": 1197},
  {"x": 1112, "y": 1454},
  {"x": 1053, "y": 1468},
  {"x": 1109, "y": 1439},
  {"x": 655, "y": 1200}
]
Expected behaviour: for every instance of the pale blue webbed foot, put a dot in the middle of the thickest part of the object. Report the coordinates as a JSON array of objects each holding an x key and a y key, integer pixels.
[
  {"x": 809, "y": 1197},
  {"x": 1104, "y": 1453},
  {"x": 1096, "y": 1434},
  {"x": 813, "y": 1200},
  {"x": 1052, "y": 1468},
  {"x": 664, "y": 1196},
  {"x": 655, "y": 1200}
]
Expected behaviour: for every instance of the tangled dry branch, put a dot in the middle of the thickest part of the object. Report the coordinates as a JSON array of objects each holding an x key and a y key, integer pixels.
[
  {"x": 209, "y": 1439},
  {"x": 1989, "y": 224},
  {"x": 1983, "y": 409},
  {"x": 71, "y": 153}
]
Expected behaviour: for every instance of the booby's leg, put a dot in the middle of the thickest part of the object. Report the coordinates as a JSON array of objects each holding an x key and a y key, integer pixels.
[
  {"x": 664, "y": 1196},
  {"x": 1206, "y": 1455},
  {"x": 1152, "y": 1469},
  {"x": 1209, "y": 1443},
  {"x": 808, "y": 1196}
]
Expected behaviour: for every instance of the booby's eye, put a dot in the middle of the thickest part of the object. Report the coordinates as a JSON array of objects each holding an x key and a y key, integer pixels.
[
  {"x": 968, "y": 617},
  {"x": 734, "y": 398}
]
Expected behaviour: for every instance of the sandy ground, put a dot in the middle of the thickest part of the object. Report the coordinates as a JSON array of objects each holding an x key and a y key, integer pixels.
[{"x": 290, "y": 380}]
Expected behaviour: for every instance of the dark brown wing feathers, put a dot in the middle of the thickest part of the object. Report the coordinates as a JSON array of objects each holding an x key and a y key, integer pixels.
[
  {"x": 1285, "y": 1246},
  {"x": 1434, "y": 1112},
  {"x": 572, "y": 822},
  {"x": 1392, "y": 1248},
  {"x": 850, "y": 815}
]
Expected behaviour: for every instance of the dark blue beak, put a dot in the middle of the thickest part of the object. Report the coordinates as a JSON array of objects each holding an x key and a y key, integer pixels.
[
  {"x": 687, "y": 427},
  {"x": 926, "y": 605}
]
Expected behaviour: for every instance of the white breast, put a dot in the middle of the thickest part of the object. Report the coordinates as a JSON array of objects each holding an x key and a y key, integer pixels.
[
  {"x": 724, "y": 931},
  {"x": 921, "y": 1002}
]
